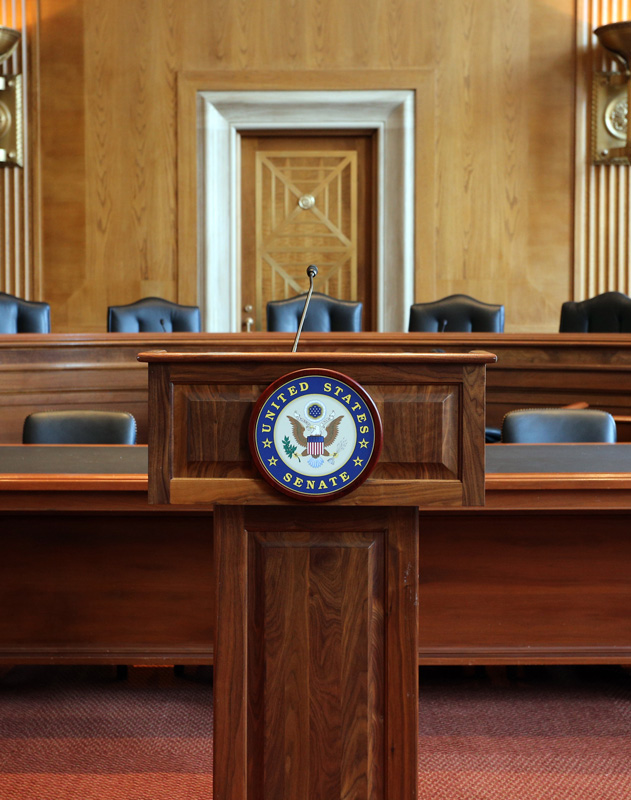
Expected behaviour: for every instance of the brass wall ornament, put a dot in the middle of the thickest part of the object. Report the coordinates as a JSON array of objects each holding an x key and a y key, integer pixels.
[
  {"x": 609, "y": 118},
  {"x": 616, "y": 115},
  {"x": 611, "y": 136},
  {"x": 11, "y": 112}
]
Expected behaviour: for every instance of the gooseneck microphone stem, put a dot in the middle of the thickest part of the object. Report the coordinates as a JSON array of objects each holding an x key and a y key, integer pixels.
[{"x": 312, "y": 271}]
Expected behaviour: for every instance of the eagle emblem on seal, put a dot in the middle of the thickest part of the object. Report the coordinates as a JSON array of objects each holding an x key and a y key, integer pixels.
[{"x": 315, "y": 431}]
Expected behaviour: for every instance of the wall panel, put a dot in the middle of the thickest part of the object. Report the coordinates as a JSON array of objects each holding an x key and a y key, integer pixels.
[
  {"x": 62, "y": 163},
  {"x": 603, "y": 192},
  {"x": 19, "y": 273}
]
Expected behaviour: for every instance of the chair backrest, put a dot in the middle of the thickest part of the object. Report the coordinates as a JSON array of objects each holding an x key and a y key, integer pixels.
[
  {"x": 555, "y": 425},
  {"x": 457, "y": 313},
  {"x": 609, "y": 312},
  {"x": 79, "y": 427},
  {"x": 153, "y": 315},
  {"x": 325, "y": 314},
  {"x": 23, "y": 316}
]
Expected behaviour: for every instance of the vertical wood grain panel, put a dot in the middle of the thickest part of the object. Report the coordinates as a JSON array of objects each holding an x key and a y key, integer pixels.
[
  {"x": 109, "y": 120},
  {"x": 18, "y": 272},
  {"x": 504, "y": 73},
  {"x": 402, "y": 671},
  {"x": 62, "y": 164},
  {"x": 131, "y": 105},
  {"x": 332, "y": 655},
  {"x": 603, "y": 192},
  {"x": 473, "y": 454},
  {"x": 231, "y": 666},
  {"x": 543, "y": 278},
  {"x": 160, "y": 467}
]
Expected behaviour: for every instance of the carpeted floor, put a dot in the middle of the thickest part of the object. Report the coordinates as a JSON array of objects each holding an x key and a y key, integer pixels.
[
  {"x": 549, "y": 734},
  {"x": 75, "y": 733}
]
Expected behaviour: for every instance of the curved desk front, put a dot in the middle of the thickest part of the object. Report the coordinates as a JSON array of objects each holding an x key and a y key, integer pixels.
[{"x": 90, "y": 573}]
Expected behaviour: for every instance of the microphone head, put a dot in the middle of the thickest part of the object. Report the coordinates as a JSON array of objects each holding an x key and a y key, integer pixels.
[{"x": 312, "y": 270}]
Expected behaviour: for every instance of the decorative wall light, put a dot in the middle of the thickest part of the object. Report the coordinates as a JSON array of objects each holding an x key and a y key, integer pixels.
[
  {"x": 611, "y": 135},
  {"x": 11, "y": 136}
]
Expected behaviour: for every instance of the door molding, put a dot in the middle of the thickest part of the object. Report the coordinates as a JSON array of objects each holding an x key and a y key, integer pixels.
[{"x": 222, "y": 116}]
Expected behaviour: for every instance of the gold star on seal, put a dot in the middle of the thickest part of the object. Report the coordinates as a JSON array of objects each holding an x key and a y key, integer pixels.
[
  {"x": 358, "y": 461},
  {"x": 363, "y": 443},
  {"x": 267, "y": 443},
  {"x": 272, "y": 461}
]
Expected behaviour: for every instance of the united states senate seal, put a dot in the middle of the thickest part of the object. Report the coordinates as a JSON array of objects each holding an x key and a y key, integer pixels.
[{"x": 315, "y": 434}]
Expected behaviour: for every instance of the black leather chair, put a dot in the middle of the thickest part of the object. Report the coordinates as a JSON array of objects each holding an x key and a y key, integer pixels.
[
  {"x": 609, "y": 312},
  {"x": 79, "y": 427},
  {"x": 23, "y": 316},
  {"x": 556, "y": 425},
  {"x": 325, "y": 314},
  {"x": 153, "y": 315},
  {"x": 458, "y": 313}
]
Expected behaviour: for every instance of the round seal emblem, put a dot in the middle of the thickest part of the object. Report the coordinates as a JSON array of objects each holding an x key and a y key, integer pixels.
[{"x": 315, "y": 434}]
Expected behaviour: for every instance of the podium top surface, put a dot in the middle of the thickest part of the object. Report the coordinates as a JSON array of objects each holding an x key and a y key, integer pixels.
[{"x": 472, "y": 357}]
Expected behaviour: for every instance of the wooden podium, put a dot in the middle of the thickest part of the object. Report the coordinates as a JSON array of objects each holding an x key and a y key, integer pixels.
[{"x": 316, "y": 685}]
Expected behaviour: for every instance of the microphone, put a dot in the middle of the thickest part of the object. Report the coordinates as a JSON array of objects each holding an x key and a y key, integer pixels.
[
  {"x": 312, "y": 271},
  {"x": 164, "y": 327}
]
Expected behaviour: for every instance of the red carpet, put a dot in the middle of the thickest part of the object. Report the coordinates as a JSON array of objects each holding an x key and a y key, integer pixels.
[
  {"x": 75, "y": 733},
  {"x": 556, "y": 734}
]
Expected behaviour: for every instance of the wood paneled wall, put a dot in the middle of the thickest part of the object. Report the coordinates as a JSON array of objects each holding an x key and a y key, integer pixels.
[{"x": 496, "y": 207}]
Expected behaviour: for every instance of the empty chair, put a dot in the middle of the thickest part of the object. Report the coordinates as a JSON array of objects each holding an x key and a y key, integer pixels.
[
  {"x": 609, "y": 312},
  {"x": 555, "y": 425},
  {"x": 79, "y": 427},
  {"x": 153, "y": 315},
  {"x": 23, "y": 316},
  {"x": 457, "y": 313},
  {"x": 325, "y": 314}
]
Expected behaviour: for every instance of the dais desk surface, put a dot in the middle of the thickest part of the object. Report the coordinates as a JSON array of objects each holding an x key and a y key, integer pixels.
[
  {"x": 111, "y": 477},
  {"x": 132, "y": 460},
  {"x": 35, "y": 459},
  {"x": 558, "y": 458}
]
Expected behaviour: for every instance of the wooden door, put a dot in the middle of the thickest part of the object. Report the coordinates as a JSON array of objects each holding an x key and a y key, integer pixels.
[{"x": 306, "y": 199}]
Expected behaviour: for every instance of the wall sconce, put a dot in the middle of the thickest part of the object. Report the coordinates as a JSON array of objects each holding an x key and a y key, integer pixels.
[
  {"x": 11, "y": 135},
  {"x": 611, "y": 93}
]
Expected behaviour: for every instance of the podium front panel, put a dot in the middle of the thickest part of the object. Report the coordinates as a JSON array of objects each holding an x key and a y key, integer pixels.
[{"x": 431, "y": 408}]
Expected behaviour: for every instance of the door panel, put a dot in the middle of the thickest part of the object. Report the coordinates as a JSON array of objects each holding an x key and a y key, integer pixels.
[{"x": 306, "y": 199}]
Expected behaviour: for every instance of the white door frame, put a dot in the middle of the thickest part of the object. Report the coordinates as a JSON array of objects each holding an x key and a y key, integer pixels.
[{"x": 223, "y": 115}]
